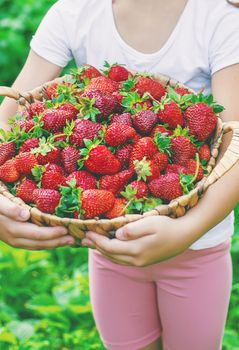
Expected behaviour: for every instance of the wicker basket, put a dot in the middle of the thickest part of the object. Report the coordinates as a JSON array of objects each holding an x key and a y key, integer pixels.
[{"x": 175, "y": 208}]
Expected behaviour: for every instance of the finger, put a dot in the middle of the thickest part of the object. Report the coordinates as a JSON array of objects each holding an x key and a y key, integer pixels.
[
  {"x": 34, "y": 232},
  {"x": 137, "y": 229},
  {"x": 117, "y": 259},
  {"x": 111, "y": 246},
  {"x": 40, "y": 245},
  {"x": 12, "y": 210},
  {"x": 87, "y": 243}
]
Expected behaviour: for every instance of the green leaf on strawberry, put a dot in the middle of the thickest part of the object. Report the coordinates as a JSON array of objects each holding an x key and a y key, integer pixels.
[{"x": 70, "y": 200}]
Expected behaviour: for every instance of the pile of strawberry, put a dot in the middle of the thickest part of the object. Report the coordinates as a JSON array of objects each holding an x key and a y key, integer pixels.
[{"x": 103, "y": 144}]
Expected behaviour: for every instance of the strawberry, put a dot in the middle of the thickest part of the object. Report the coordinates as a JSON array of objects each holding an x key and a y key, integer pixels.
[
  {"x": 176, "y": 169},
  {"x": 146, "y": 170},
  {"x": 161, "y": 160},
  {"x": 46, "y": 200},
  {"x": 84, "y": 129},
  {"x": 118, "y": 134},
  {"x": 9, "y": 172},
  {"x": 171, "y": 114},
  {"x": 87, "y": 72},
  {"x": 182, "y": 91},
  {"x": 204, "y": 153},
  {"x": 124, "y": 118},
  {"x": 97, "y": 105},
  {"x": 116, "y": 72},
  {"x": 144, "y": 121},
  {"x": 151, "y": 86},
  {"x": 141, "y": 187},
  {"x": 52, "y": 179},
  {"x": 70, "y": 155},
  {"x": 54, "y": 167},
  {"x": 116, "y": 183},
  {"x": 25, "y": 190},
  {"x": 101, "y": 161},
  {"x": 193, "y": 150},
  {"x": 55, "y": 119},
  {"x": 191, "y": 164},
  {"x": 25, "y": 162},
  {"x": 60, "y": 136},
  {"x": 200, "y": 120},
  {"x": 161, "y": 129},
  {"x": 36, "y": 108},
  {"x": 83, "y": 179},
  {"x": 103, "y": 84},
  {"x": 95, "y": 203},
  {"x": 167, "y": 187},
  {"x": 181, "y": 148},
  {"x": 123, "y": 154},
  {"x": 118, "y": 209},
  {"x": 7, "y": 151},
  {"x": 47, "y": 153},
  {"x": 70, "y": 109},
  {"x": 145, "y": 147},
  {"x": 27, "y": 125},
  {"x": 132, "y": 102},
  {"x": 29, "y": 144},
  {"x": 51, "y": 90}
]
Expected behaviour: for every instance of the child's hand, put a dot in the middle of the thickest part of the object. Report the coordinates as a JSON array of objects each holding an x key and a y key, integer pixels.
[{"x": 144, "y": 242}]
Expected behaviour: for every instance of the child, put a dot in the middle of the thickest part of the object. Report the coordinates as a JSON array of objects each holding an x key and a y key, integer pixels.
[{"x": 162, "y": 278}]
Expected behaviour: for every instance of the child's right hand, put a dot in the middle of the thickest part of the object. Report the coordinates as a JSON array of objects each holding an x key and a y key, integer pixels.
[{"x": 18, "y": 233}]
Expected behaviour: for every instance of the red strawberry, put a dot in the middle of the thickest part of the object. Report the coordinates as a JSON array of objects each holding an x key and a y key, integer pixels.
[
  {"x": 146, "y": 170},
  {"x": 8, "y": 171},
  {"x": 193, "y": 150},
  {"x": 7, "y": 151},
  {"x": 98, "y": 105},
  {"x": 142, "y": 189},
  {"x": 124, "y": 118},
  {"x": 47, "y": 153},
  {"x": 191, "y": 164},
  {"x": 103, "y": 84},
  {"x": 36, "y": 108},
  {"x": 167, "y": 187},
  {"x": 116, "y": 183},
  {"x": 200, "y": 120},
  {"x": 204, "y": 152},
  {"x": 145, "y": 147},
  {"x": 181, "y": 148},
  {"x": 176, "y": 169},
  {"x": 119, "y": 98},
  {"x": 59, "y": 136},
  {"x": 70, "y": 155},
  {"x": 117, "y": 210},
  {"x": 46, "y": 200},
  {"x": 87, "y": 71},
  {"x": 118, "y": 134},
  {"x": 25, "y": 190},
  {"x": 118, "y": 73},
  {"x": 144, "y": 121},
  {"x": 84, "y": 129},
  {"x": 161, "y": 160},
  {"x": 70, "y": 109},
  {"x": 52, "y": 179},
  {"x": 54, "y": 167},
  {"x": 161, "y": 129},
  {"x": 182, "y": 91},
  {"x": 153, "y": 87},
  {"x": 83, "y": 179},
  {"x": 171, "y": 115},
  {"x": 55, "y": 119},
  {"x": 96, "y": 203},
  {"x": 25, "y": 162},
  {"x": 51, "y": 90},
  {"x": 101, "y": 161},
  {"x": 123, "y": 154},
  {"x": 29, "y": 144},
  {"x": 27, "y": 125}
]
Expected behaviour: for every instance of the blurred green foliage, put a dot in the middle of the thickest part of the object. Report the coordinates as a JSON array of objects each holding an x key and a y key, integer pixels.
[{"x": 44, "y": 298}]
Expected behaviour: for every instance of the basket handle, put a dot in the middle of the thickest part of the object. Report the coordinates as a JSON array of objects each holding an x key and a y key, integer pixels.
[{"x": 230, "y": 157}]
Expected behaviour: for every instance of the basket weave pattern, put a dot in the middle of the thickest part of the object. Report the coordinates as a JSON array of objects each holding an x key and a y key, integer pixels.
[{"x": 175, "y": 208}]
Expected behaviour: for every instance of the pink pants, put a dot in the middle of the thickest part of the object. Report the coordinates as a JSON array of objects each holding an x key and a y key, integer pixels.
[{"x": 184, "y": 299}]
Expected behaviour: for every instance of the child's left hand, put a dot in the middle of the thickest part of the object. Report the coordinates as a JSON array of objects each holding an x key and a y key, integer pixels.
[{"x": 144, "y": 242}]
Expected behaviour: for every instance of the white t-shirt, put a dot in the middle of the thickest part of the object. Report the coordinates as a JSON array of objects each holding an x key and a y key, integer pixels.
[{"x": 205, "y": 40}]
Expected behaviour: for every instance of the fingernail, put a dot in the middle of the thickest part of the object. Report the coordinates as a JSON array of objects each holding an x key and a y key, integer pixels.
[
  {"x": 69, "y": 241},
  {"x": 87, "y": 243},
  {"x": 24, "y": 214},
  {"x": 62, "y": 231},
  {"x": 119, "y": 234}
]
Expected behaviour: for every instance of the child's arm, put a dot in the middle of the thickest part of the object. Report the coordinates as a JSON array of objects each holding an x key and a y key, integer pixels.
[
  {"x": 155, "y": 239},
  {"x": 35, "y": 72}
]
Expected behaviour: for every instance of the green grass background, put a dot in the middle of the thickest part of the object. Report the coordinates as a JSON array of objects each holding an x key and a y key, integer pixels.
[{"x": 44, "y": 296}]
